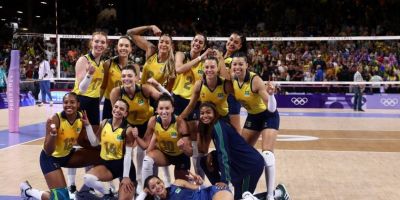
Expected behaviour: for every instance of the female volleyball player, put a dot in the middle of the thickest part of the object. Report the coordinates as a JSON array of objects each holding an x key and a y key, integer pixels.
[
  {"x": 63, "y": 130},
  {"x": 112, "y": 72},
  {"x": 236, "y": 42},
  {"x": 138, "y": 97},
  {"x": 262, "y": 118},
  {"x": 89, "y": 74},
  {"x": 236, "y": 161},
  {"x": 189, "y": 69},
  {"x": 160, "y": 62},
  {"x": 116, "y": 153},
  {"x": 182, "y": 189},
  {"x": 173, "y": 144}
]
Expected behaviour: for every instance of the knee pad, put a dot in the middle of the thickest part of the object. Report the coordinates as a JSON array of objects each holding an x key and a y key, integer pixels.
[
  {"x": 269, "y": 158},
  {"x": 59, "y": 193},
  {"x": 148, "y": 163},
  {"x": 89, "y": 179}
]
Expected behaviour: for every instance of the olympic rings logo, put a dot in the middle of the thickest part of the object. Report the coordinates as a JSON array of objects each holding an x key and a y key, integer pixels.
[
  {"x": 299, "y": 100},
  {"x": 389, "y": 102}
]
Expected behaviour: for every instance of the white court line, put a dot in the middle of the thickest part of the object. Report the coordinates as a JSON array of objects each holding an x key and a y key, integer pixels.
[{"x": 21, "y": 143}]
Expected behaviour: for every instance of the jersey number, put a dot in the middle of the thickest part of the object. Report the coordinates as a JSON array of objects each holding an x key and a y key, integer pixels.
[
  {"x": 68, "y": 143},
  {"x": 167, "y": 146},
  {"x": 111, "y": 148}
]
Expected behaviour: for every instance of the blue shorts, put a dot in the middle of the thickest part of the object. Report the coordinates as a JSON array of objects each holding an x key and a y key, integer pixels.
[
  {"x": 234, "y": 105},
  {"x": 180, "y": 105},
  {"x": 107, "y": 109},
  {"x": 92, "y": 108},
  {"x": 116, "y": 168},
  {"x": 207, "y": 193},
  {"x": 181, "y": 162},
  {"x": 51, "y": 163},
  {"x": 263, "y": 120},
  {"x": 141, "y": 128}
]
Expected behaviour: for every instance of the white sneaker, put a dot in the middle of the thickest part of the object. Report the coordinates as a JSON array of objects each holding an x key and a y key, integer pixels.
[
  {"x": 24, "y": 186},
  {"x": 40, "y": 104},
  {"x": 248, "y": 196},
  {"x": 51, "y": 103},
  {"x": 285, "y": 193}
]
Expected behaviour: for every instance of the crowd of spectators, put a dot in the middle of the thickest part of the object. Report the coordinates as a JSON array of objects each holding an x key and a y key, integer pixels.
[{"x": 278, "y": 60}]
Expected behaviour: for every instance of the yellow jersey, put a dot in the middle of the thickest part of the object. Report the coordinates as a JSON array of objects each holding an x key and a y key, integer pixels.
[
  {"x": 244, "y": 94},
  {"x": 152, "y": 68},
  {"x": 93, "y": 90},
  {"x": 166, "y": 139},
  {"x": 218, "y": 96},
  {"x": 114, "y": 77},
  {"x": 184, "y": 82},
  {"x": 112, "y": 141},
  {"x": 67, "y": 134},
  {"x": 140, "y": 110}
]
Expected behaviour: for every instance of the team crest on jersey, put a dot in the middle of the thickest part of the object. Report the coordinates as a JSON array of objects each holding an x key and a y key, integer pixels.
[
  {"x": 203, "y": 95},
  {"x": 220, "y": 95},
  {"x": 178, "y": 190},
  {"x": 201, "y": 72},
  {"x": 174, "y": 135},
  {"x": 120, "y": 138},
  {"x": 78, "y": 130},
  {"x": 140, "y": 101},
  {"x": 247, "y": 93}
]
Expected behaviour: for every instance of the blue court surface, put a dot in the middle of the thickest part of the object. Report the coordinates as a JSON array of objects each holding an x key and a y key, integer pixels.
[
  {"x": 26, "y": 134},
  {"x": 9, "y": 198}
]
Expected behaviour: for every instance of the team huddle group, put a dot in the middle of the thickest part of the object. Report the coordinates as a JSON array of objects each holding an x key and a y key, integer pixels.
[{"x": 166, "y": 114}]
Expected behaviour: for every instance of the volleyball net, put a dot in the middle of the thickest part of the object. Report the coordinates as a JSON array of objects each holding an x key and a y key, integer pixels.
[{"x": 295, "y": 64}]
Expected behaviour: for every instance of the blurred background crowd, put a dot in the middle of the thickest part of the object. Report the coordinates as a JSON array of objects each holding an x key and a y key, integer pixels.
[{"x": 277, "y": 60}]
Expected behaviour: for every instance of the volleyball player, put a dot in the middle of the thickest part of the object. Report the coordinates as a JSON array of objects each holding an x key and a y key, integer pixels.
[
  {"x": 116, "y": 154},
  {"x": 182, "y": 189},
  {"x": 63, "y": 129},
  {"x": 173, "y": 144},
  {"x": 262, "y": 118},
  {"x": 160, "y": 61},
  {"x": 140, "y": 111},
  {"x": 236, "y": 42},
  {"x": 112, "y": 72},
  {"x": 236, "y": 161},
  {"x": 189, "y": 69},
  {"x": 89, "y": 74}
]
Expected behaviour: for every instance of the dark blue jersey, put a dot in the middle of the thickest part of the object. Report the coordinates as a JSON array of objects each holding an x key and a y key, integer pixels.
[
  {"x": 236, "y": 158},
  {"x": 179, "y": 193}
]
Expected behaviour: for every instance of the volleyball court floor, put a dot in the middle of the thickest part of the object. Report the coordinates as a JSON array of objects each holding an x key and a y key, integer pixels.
[{"x": 323, "y": 154}]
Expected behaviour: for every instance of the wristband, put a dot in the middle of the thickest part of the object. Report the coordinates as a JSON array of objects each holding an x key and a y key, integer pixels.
[{"x": 52, "y": 126}]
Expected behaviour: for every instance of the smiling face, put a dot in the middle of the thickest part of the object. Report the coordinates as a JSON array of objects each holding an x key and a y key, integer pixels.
[
  {"x": 210, "y": 68},
  {"x": 98, "y": 44},
  {"x": 165, "y": 109},
  {"x": 120, "y": 110},
  {"x": 198, "y": 43},
  {"x": 234, "y": 43},
  {"x": 124, "y": 47},
  {"x": 164, "y": 44},
  {"x": 128, "y": 78},
  {"x": 156, "y": 186},
  {"x": 207, "y": 115},
  {"x": 239, "y": 66},
  {"x": 70, "y": 104}
]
